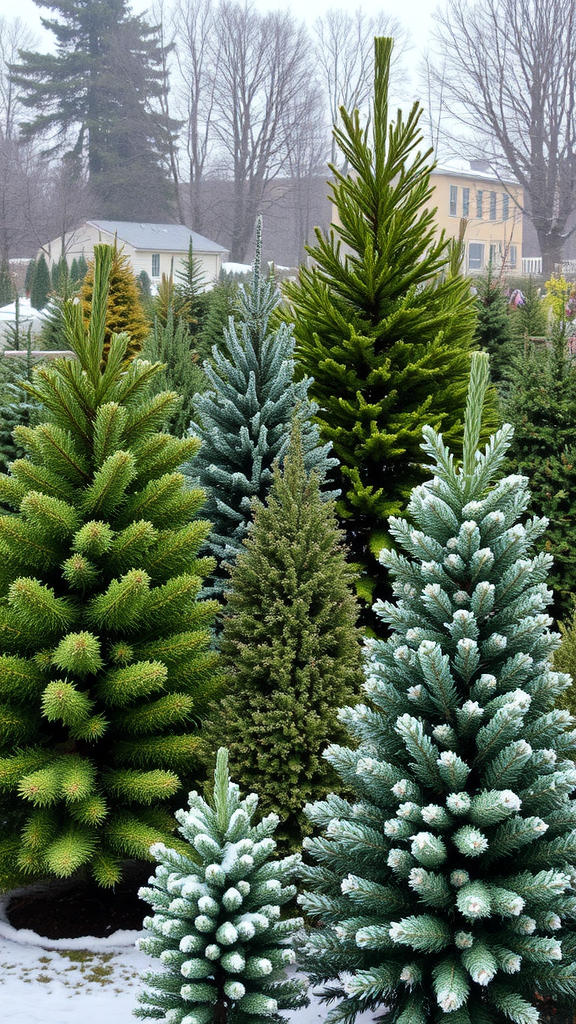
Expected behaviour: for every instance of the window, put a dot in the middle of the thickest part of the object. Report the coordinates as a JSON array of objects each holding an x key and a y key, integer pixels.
[
  {"x": 512, "y": 256},
  {"x": 475, "y": 256},
  {"x": 479, "y": 202},
  {"x": 494, "y": 249},
  {"x": 492, "y": 206},
  {"x": 505, "y": 206},
  {"x": 453, "y": 200},
  {"x": 155, "y": 264},
  {"x": 465, "y": 202}
]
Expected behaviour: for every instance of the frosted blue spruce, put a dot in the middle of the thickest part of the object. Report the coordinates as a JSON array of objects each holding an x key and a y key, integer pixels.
[
  {"x": 245, "y": 417},
  {"x": 216, "y": 925},
  {"x": 446, "y": 887}
]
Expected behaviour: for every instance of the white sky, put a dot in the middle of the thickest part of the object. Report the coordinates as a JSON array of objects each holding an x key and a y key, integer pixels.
[{"x": 414, "y": 14}]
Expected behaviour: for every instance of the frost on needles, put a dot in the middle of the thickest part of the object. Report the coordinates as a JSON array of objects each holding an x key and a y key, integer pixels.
[
  {"x": 446, "y": 886},
  {"x": 217, "y": 926}
]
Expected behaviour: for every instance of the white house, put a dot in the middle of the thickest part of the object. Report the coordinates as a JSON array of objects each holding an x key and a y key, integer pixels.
[{"x": 156, "y": 248}]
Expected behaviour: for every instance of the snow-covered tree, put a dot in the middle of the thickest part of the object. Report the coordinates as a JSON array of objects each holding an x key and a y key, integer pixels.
[
  {"x": 217, "y": 926},
  {"x": 245, "y": 418},
  {"x": 445, "y": 885}
]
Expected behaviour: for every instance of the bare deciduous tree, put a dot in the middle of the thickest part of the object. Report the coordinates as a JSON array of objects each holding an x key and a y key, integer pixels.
[
  {"x": 344, "y": 50},
  {"x": 508, "y": 77}
]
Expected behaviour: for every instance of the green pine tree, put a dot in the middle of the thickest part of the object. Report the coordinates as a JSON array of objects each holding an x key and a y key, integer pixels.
[
  {"x": 540, "y": 403},
  {"x": 383, "y": 322},
  {"x": 221, "y": 304},
  {"x": 189, "y": 286},
  {"x": 530, "y": 320},
  {"x": 105, "y": 652},
  {"x": 7, "y": 290},
  {"x": 244, "y": 419},
  {"x": 171, "y": 345},
  {"x": 494, "y": 331},
  {"x": 124, "y": 311},
  {"x": 216, "y": 926},
  {"x": 16, "y": 407},
  {"x": 30, "y": 271},
  {"x": 61, "y": 283},
  {"x": 290, "y": 646},
  {"x": 41, "y": 285},
  {"x": 444, "y": 885}
]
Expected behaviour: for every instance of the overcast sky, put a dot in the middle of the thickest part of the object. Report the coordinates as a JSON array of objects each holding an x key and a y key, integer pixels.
[{"x": 414, "y": 14}]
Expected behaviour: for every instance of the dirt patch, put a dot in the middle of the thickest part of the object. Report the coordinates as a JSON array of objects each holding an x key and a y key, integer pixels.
[{"x": 74, "y": 910}]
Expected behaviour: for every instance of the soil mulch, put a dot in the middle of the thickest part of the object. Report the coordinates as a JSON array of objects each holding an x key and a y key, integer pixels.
[{"x": 71, "y": 911}]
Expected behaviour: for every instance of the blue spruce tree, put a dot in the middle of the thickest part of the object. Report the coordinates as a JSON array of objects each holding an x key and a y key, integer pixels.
[
  {"x": 445, "y": 884},
  {"x": 245, "y": 418}
]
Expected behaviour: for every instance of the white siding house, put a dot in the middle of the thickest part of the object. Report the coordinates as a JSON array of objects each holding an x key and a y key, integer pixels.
[{"x": 156, "y": 248}]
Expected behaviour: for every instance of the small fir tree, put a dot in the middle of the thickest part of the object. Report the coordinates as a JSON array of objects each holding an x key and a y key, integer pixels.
[
  {"x": 41, "y": 285},
  {"x": 106, "y": 664},
  {"x": 61, "y": 277},
  {"x": 190, "y": 288},
  {"x": 540, "y": 403},
  {"x": 245, "y": 418},
  {"x": 171, "y": 345},
  {"x": 16, "y": 407},
  {"x": 216, "y": 926},
  {"x": 445, "y": 884},
  {"x": 7, "y": 290},
  {"x": 530, "y": 319},
  {"x": 221, "y": 304},
  {"x": 383, "y": 322},
  {"x": 290, "y": 645},
  {"x": 124, "y": 312},
  {"x": 494, "y": 333}
]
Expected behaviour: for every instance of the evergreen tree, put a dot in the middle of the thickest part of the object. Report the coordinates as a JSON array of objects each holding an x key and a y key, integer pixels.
[
  {"x": 171, "y": 346},
  {"x": 30, "y": 271},
  {"x": 383, "y": 322},
  {"x": 530, "y": 320},
  {"x": 494, "y": 333},
  {"x": 74, "y": 273},
  {"x": 124, "y": 310},
  {"x": 445, "y": 883},
  {"x": 41, "y": 284},
  {"x": 216, "y": 926},
  {"x": 105, "y": 653},
  {"x": 245, "y": 419},
  {"x": 189, "y": 286},
  {"x": 290, "y": 647},
  {"x": 82, "y": 267},
  {"x": 7, "y": 290},
  {"x": 221, "y": 303},
  {"x": 97, "y": 91},
  {"x": 16, "y": 408},
  {"x": 540, "y": 403},
  {"x": 61, "y": 277}
]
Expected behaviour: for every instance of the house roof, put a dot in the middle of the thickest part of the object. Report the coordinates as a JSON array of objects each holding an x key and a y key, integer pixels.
[{"x": 171, "y": 237}]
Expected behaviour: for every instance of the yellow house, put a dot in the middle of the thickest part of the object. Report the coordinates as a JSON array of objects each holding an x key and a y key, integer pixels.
[{"x": 492, "y": 209}]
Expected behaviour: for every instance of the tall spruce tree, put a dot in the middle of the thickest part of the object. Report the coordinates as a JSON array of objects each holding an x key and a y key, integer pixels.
[
  {"x": 290, "y": 646},
  {"x": 540, "y": 403},
  {"x": 245, "y": 418},
  {"x": 494, "y": 330},
  {"x": 96, "y": 92},
  {"x": 216, "y": 926},
  {"x": 106, "y": 664},
  {"x": 383, "y": 322},
  {"x": 41, "y": 283},
  {"x": 445, "y": 884}
]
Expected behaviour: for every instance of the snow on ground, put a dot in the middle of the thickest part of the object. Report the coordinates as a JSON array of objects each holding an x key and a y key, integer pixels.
[{"x": 85, "y": 981}]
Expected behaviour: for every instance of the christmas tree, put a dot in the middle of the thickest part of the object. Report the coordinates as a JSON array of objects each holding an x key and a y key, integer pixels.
[
  {"x": 216, "y": 926},
  {"x": 245, "y": 419},
  {"x": 40, "y": 285},
  {"x": 171, "y": 345},
  {"x": 494, "y": 330},
  {"x": 106, "y": 664},
  {"x": 290, "y": 646},
  {"x": 124, "y": 311},
  {"x": 383, "y": 322},
  {"x": 445, "y": 886}
]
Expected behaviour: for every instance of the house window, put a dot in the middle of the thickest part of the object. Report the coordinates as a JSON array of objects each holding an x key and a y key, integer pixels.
[
  {"x": 493, "y": 253},
  {"x": 453, "y": 200},
  {"x": 505, "y": 206},
  {"x": 512, "y": 256},
  {"x": 492, "y": 206},
  {"x": 479, "y": 202},
  {"x": 475, "y": 256},
  {"x": 155, "y": 264},
  {"x": 465, "y": 202}
]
